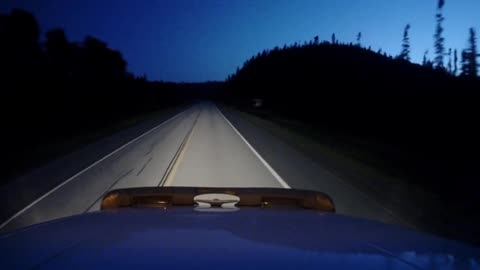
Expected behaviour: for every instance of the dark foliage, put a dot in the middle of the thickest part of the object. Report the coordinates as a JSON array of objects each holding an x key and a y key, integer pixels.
[
  {"x": 426, "y": 113},
  {"x": 420, "y": 120},
  {"x": 469, "y": 56},
  {"x": 439, "y": 39},
  {"x": 455, "y": 62},
  {"x": 449, "y": 64},
  {"x": 59, "y": 89}
]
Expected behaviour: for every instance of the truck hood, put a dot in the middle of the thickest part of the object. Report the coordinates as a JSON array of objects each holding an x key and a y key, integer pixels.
[{"x": 184, "y": 238}]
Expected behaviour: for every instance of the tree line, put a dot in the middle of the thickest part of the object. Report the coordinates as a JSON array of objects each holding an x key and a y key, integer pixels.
[
  {"x": 52, "y": 89},
  {"x": 469, "y": 64},
  {"x": 469, "y": 54},
  {"x": 346, "y": 90},
  {"x": 420, "y": 120}
]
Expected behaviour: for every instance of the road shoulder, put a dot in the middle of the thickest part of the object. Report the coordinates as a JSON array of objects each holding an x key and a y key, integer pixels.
[
  {"x": 414, "y": 207},
  {"x": 15, "y": 195}
]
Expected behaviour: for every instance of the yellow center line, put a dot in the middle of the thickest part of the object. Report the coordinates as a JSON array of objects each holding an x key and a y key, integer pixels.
[{"x": 178, "y": 161}]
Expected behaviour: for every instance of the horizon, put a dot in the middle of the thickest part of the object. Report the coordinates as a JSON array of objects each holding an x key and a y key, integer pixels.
[{"x": 200, "y": 41}]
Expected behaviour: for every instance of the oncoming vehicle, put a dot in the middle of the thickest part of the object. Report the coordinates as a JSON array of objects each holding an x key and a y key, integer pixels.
[{"x": 225, "y": 228}]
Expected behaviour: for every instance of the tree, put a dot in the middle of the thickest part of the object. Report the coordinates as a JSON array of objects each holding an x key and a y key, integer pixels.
[
  {"x": 426, "y": 62},
  {"x": 469, "y": 56},
  {"x": 473, "y": 53},
  {"x": 334, "y": 39},
  {"x": 359, "y": 39},
  {"x": 449, "y": 65},
  {"x": 24, "y": 30},
  {"x": 316, "y": 40},
  {"x": 439, "y": 39},
  {"x": 425, "y": 58},
  {"x": 100, "y": 61},
  {"x": 405, "y": 54},
  {"x": 455, "y": 62},
  {"x": 464, "y": 63},
  {"x": 58, "y": 51},
  {"x": 55, "y": 40},
  {"x": 20, "y": 53}
]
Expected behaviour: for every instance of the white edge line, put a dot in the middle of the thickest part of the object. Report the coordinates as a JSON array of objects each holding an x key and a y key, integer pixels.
[
  {"x": 86, "y": 169},
  {"x": 269, "y": 168}
]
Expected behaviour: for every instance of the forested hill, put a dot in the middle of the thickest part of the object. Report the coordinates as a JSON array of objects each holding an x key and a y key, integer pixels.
[
  {"x": 332, "y": 69},
  {"x": 346, "y": 90},
  {"x": 56, "y": 90}
]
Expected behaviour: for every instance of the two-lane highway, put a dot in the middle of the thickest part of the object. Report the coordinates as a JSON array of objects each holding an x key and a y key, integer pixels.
[{"x": 197, "y": 147}]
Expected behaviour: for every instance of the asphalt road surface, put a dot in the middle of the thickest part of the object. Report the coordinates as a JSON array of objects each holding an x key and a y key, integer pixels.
[{"x": 200, "y": 146}]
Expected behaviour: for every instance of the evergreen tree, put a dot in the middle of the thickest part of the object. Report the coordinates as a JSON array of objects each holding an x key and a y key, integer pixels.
[
  {"x": 449, "y": 65},
  {"x": 469, "y": 56},
  {"x": 464, "y": 63},
  {"x": 455, "y": 62},
  {"x": 439, "y": 39},
  {"x": 425, "y": 58},
  {"x": 405, "y": 54},
  {"x": 359, "y": 39}
]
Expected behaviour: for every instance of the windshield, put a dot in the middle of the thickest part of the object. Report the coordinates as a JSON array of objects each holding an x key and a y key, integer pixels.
[{"x": 372, "y": 103}]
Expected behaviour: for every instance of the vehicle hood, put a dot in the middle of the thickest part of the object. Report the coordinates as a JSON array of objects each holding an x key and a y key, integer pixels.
[{"x": 251, "y": 238}]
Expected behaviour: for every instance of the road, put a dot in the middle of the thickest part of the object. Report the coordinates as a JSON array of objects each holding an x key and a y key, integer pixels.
[{"x": 197, "y": 147}]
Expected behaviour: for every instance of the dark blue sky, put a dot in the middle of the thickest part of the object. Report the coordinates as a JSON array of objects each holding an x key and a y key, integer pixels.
[{"x": 197, "y": 40}]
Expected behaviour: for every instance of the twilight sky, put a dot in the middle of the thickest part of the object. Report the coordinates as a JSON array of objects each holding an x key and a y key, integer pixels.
[{"x": 198, "y": 40}]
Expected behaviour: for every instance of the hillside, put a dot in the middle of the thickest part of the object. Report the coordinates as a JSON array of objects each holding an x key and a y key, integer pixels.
[
  {"x": 352, "y": 88},
  {"x": 311, "y": 68},
  {"x": 411, "y": 120}
]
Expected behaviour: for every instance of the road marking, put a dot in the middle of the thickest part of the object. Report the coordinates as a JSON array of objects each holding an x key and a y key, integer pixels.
[
  {"x": 144, "y": 166},
  {"x": 111, "y": 186},
  {"x": 171, "y": 171},
  {"x": 269, "y": 168},
  {"x": 86, "y": 169}
]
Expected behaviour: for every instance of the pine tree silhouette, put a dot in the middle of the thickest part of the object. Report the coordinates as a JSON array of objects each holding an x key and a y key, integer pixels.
[
  {"x": 425, "y": 58},
  {"x": 449, "y": 65},
  {"x": 405, "y": 54},
  {"x": 359, "y": 39},
  {"x": 464, "y": 62},
  {"x": 439, "y": 39},
  {"x": 455, "y": 62},
  {"x": 469, "y": 56}
]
